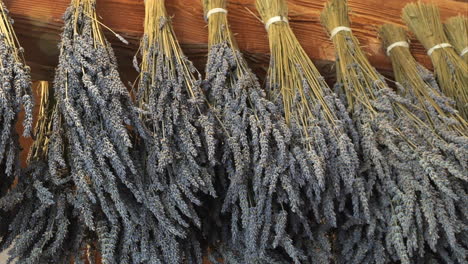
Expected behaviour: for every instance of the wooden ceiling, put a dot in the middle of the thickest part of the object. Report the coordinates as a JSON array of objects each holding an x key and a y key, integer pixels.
[{"x": 38, "y": 24}]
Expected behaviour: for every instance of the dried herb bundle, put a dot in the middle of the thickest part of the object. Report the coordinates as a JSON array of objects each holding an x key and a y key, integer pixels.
[
  {"x": 179, "y": 157},
  {"x": 418, "y": 83},
  {"x": 323, "y": 165},
  {"x": 256, "y": 153},
  {"x": 440, "y": 118},
  {"x": 43, "y": 229},
  {"x": 15, "y": 93},
  {"x": 414, "y": 178},
  {"x": 456, "y": 29},
  {"x": 451, "y": 71},
  {"x": 96, "y": 108}
]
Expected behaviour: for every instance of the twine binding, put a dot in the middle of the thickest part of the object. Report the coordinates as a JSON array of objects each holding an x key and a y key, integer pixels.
[
  {"x": 275, "y": 19},
  {"x": 397, "y": 44},
  {"x": 337, "y": 30},
  {"x": 438, "y": 46}
]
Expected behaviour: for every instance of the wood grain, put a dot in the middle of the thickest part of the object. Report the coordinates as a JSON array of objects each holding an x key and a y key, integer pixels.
[{"x": 38, "y": 24}]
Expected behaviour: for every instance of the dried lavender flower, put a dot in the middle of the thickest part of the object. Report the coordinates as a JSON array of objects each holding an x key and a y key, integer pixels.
[
  {"x": 411, "y": 180},
  {"x": 93, "y": 143},
  {"x": 256, "y": 157},
  {"x": 42, "y": 227},
  {"x": 319, "y": 181},
  {"x": 446, "y": 131},
  {"x": 15, "y": 94},
  {"x": 178, "y": 157}
]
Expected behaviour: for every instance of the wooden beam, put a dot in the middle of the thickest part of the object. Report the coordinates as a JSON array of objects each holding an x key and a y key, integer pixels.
[{"x": 38, "y": 25}]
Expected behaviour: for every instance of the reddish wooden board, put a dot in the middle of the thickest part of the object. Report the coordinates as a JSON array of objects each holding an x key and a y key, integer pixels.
[{"x": 38, "y": 25}]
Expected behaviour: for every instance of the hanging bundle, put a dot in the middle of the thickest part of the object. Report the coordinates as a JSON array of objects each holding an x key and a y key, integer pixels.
[
  {"x": 41, "y": 229},
  {"x": 451, "y": 71},
  {"x": 415, "y": 178},
  {"x": 256, "y": 153},
  {"x": 180, "y": 155},
  {"x": 417, "y": 83},
  {"x": 15, "y": 93},
  {"x": 95, "y": 109},
  {"x": 322, "y": 168},
  {"x": 456, "y": 29}
]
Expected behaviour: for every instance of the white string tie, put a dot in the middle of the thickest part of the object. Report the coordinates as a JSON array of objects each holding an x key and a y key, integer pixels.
[
  {"x": 438, "y": 46},
  {"x": 464, "y": 51},
  {"x": 397, "y": 44},
  {"x": 215, "y": 10},
  {"x": 338, "y": 29},
  {"x": 275, "y": 19}
]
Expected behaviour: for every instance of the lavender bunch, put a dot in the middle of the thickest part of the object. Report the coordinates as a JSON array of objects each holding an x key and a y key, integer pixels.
[
  {"x": 179, "y": 156},
  {"x": 450, "y": 69},
  {"x": 318, "y": 181},
  {"x": 95, "y": 109},
  {"x": 15, "y": 93},
  {"x": 450, "y": 138},
  {"x": 414, "y": 178},
  {"x": 256, "y": 155},
  {"x": 456, "y": 29},
  {"x": 43, "y": 228}
]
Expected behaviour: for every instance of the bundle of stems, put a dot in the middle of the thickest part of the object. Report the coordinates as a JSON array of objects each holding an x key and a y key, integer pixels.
[
  {"x": 96, "y": 109},
  {"x": 180, "y": 154},
  {"x": 15, "y": 94},
  {"x": 321, "y": 181},
  {"x": 420, "y": 82},
  {"x": 440, "y": 118},
  {"x": 407, "y": 167},
  {"x": 256, "y": 152},
  {"x": 456, "y": 29},
  {"x": 451, "y": 71},
  {"x": 41, "y": 229}
]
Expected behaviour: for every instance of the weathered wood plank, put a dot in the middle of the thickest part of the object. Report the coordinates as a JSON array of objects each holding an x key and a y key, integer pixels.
[{"x": 38, "y": 25}]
